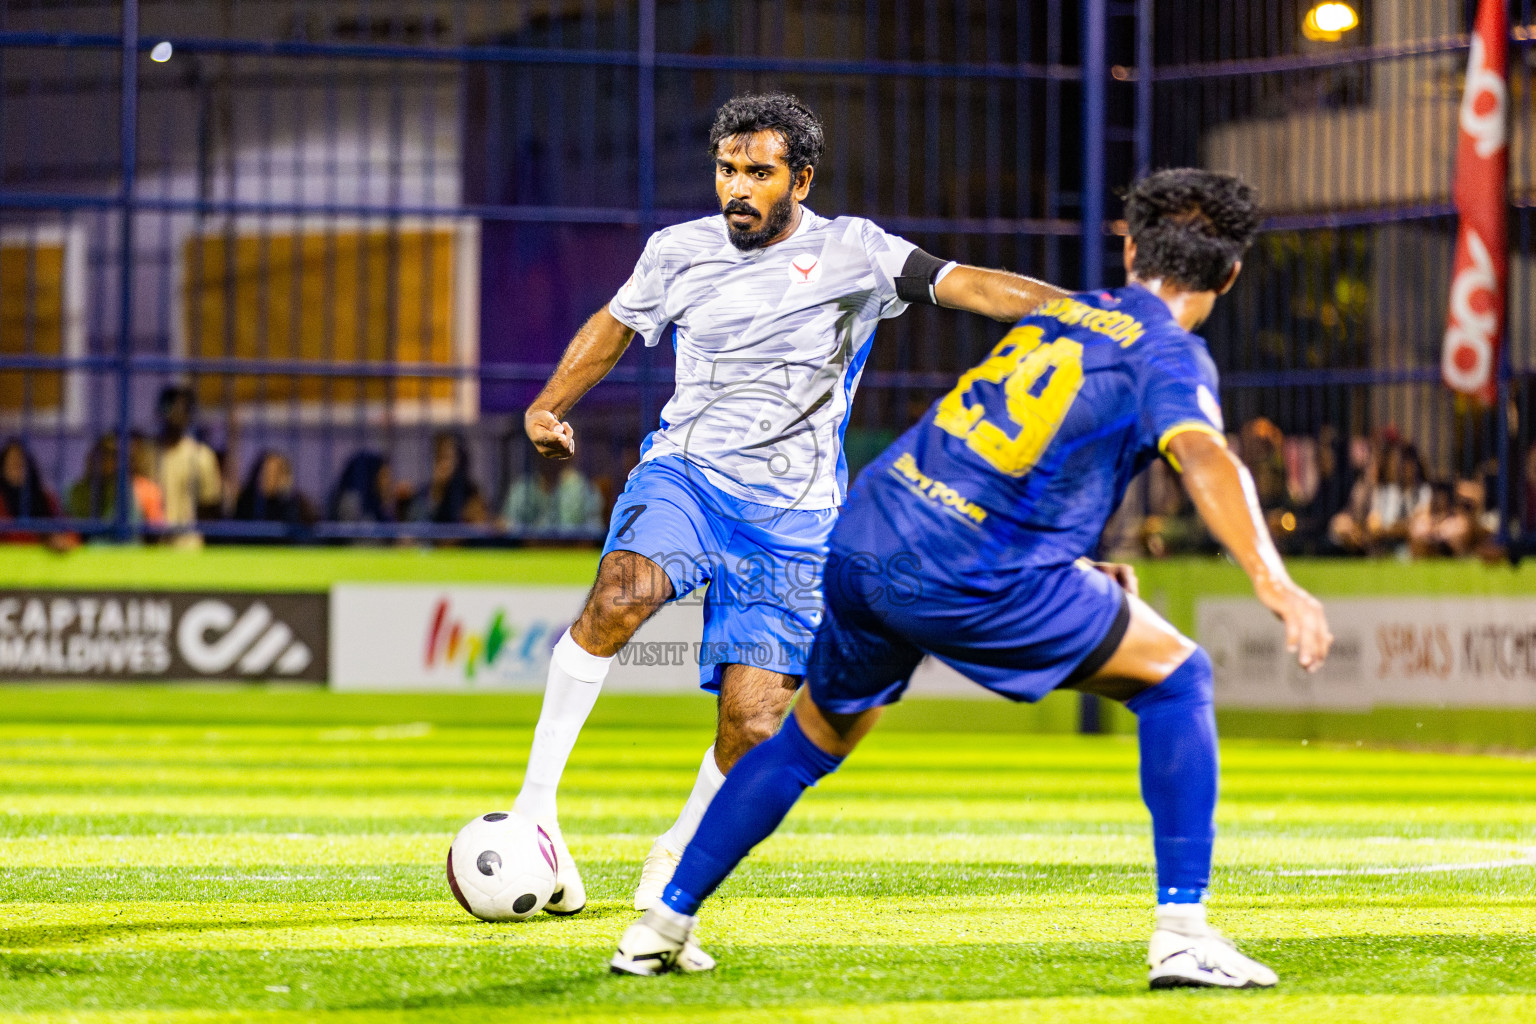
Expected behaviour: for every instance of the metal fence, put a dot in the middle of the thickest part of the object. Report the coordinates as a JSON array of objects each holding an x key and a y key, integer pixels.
[
  {"x": 362, "y": 226},
  {"x": 1336, "y": 332}
]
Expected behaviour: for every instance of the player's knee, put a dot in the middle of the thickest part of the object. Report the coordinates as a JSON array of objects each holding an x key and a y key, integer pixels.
[
  {"x": 617, "y": 606},
  {"x": 1192, "y": 683}
]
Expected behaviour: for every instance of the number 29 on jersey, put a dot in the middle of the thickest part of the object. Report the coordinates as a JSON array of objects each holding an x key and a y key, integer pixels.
[{"x": 1039, "y": 380}]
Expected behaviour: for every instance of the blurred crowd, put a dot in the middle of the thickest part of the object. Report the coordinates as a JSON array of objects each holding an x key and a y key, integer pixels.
[
  {"x": 1322, "y": 494},
  {"x": 1332, "y": 494},
  {"x": 179, "y": 483}
]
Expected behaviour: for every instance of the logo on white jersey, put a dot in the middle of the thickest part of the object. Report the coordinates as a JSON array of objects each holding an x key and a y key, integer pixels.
[{"x": 805, "y": 269}]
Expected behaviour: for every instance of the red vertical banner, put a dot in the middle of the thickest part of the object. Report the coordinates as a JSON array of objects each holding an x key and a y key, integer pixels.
[{"x": 1470, "y": 359}]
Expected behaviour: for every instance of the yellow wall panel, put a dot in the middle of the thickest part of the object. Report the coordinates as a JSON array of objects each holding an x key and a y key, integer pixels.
[
  {"x": 31, "y": 323},
  {"x": 354, "y": 296}
]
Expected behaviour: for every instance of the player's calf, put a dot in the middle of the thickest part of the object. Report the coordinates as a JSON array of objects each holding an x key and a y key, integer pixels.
[{"x": 753, "y": 703}]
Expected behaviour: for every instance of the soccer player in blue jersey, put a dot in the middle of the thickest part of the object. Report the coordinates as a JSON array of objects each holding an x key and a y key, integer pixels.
[
  {"x": 992, "y": 503},
  {"x": 775, "y": 309}
]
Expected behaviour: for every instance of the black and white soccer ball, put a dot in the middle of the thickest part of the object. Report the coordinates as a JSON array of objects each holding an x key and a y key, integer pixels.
[{"x": 501, "y": 867}]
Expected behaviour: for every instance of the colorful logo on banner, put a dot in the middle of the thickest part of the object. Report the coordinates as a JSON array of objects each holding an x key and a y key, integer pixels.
[
  {"x": 1469, "y": 360},
  {"x": 496, "y": 648}
]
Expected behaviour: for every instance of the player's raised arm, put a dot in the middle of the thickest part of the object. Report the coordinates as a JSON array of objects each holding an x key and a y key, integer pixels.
[
  {"x": 995, "y": 293},
  {"x": 1223, "y": 493},
  {"x": 587, "y": 359}
]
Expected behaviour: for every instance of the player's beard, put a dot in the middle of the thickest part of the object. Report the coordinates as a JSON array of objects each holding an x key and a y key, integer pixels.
[{"x": 776, "y": 221}]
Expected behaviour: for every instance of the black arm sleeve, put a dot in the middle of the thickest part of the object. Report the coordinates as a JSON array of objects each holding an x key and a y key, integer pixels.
[{"x": 915, "y": 284}]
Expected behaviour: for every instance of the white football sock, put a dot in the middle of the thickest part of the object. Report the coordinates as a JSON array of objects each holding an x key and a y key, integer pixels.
[
  {"x": 710, "y": 779},
  {"x": 1182, "y": 918},
  {"x": 575, "y": 679}
]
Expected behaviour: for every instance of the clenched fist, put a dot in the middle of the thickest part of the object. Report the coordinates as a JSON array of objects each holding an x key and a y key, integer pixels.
[{"x": 553, "y": 437}]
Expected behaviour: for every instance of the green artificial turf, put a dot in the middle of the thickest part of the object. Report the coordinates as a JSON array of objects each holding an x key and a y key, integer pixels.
[{"x": 179, "y": 854}]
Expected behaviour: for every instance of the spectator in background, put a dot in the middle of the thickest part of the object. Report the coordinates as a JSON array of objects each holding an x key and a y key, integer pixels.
[
  {"x": 146, "y": 489},
  {"x": 530, "y": 503},
  {"x": 1428, "y": 523},
  {"x": 1528, "y": 517},
  {"x": 444, "y": 497},
  {"x": 1451, "y": 524},
  {"x": 94, "y": 495},
  {"x": 578, "y": 503},
  {"x": 23, "y": 495},
  {"x": 1318, "y": 480},
  {"x": 269, "y": 496},
  {"x": 1401, "y": 493},
  {"x": 1346, "y": 529},
  {"x": 365, "y": 491},
  {"x": 186, "y": 468},
  {"x": 1262, "y": 449},
  {"x": 557, "y": 498}
]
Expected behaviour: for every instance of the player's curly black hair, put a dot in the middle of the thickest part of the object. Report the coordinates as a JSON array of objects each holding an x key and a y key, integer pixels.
[
  {"x": 773, "y": 111},
  {"x": 1190, "y": 226}
]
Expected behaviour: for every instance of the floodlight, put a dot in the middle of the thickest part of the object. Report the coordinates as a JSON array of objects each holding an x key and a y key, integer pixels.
[{"x": 1328, "y": 22}]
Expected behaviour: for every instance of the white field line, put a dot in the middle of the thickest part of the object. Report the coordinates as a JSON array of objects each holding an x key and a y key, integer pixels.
[
  {"x": 1527, "y": 861},
  {"x": 278, "y": 878}
]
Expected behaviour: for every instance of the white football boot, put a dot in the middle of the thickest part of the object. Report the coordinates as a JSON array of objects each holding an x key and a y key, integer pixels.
[
  {"x": 1185, "y": 952},
  {"x": 657, "y": 871},
  {"x": 661, "y": 941},
  {"x": 570, "y": 895}
]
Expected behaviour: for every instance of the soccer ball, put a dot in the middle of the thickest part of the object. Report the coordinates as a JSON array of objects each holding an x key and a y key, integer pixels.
[{"x": 501, "y": 867}]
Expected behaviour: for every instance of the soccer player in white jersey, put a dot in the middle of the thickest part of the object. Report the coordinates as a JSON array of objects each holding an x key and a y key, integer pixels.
[{"x": 775, "y": 308}]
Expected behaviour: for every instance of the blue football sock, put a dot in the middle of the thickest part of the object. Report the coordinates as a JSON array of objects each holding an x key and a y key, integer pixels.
[
  {"x": 757, "y": 794},
  {"x": 1177, "y": 728}
]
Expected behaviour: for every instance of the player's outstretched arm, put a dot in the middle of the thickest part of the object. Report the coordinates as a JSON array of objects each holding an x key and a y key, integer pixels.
[
  {"x": 1224, "y": 495},
  {"x": 588, "y": 358},
  {"x": 995, "y": 293}
]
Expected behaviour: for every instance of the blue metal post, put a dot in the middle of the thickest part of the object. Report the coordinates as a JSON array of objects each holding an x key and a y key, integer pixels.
[
  {"x": 1091, "y": 203},
  {"x": 646, "y": 119},
  {"x": 1095, "y": 71},
  {"x": 1143, "y": 87},
  {"x": 122, "y": 526}
]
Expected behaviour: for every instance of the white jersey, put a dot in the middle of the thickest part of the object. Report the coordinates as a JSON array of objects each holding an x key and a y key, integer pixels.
[{"x": 770, "y": 346}]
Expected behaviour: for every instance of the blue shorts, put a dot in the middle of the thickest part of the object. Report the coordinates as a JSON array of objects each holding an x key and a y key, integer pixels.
[
  {"x": 763, "y": 564},
  {"x": 1021, "y": 634}
]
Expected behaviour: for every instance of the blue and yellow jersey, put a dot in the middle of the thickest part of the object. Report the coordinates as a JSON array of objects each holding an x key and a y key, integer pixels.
[{"x": 1025, "y": 460}]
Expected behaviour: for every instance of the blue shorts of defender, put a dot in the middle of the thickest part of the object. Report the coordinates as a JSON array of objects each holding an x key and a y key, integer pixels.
[
  {"x": 1020, "y": 633},
  {"x": 763, "y": 564}
]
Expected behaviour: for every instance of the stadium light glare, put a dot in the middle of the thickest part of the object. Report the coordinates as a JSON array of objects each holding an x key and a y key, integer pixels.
[{"x": 1328, "y": 22}]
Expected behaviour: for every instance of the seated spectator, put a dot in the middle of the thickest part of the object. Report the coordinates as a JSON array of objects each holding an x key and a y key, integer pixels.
[
  {"x": 1425, "y": 527},
  {"x": 1318, "y": 482},
  {"x": 1528, "y": 517},
  {"x": 146, "y": 489},
  {"x": 94, "y": 495},
  {"x": 476, "y": 512},
  {"x": 1154, "y": 520},
  {"x": 365, "y": 491},
  {"x": 23, "y": 495},
  {"x": 443, "y": 498},
  {"x": 1261, "y": 446},
  {"x": 578, "y": 504},
  {"x": 558, "y": 499},
  {"x": 1451, "y": 524},
  {"x": 1401, "y": 492},
  {"x": 1346, "y": 527},
  {"x": 269, "y": 495},
  {"x": 529, "y": 504}
]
